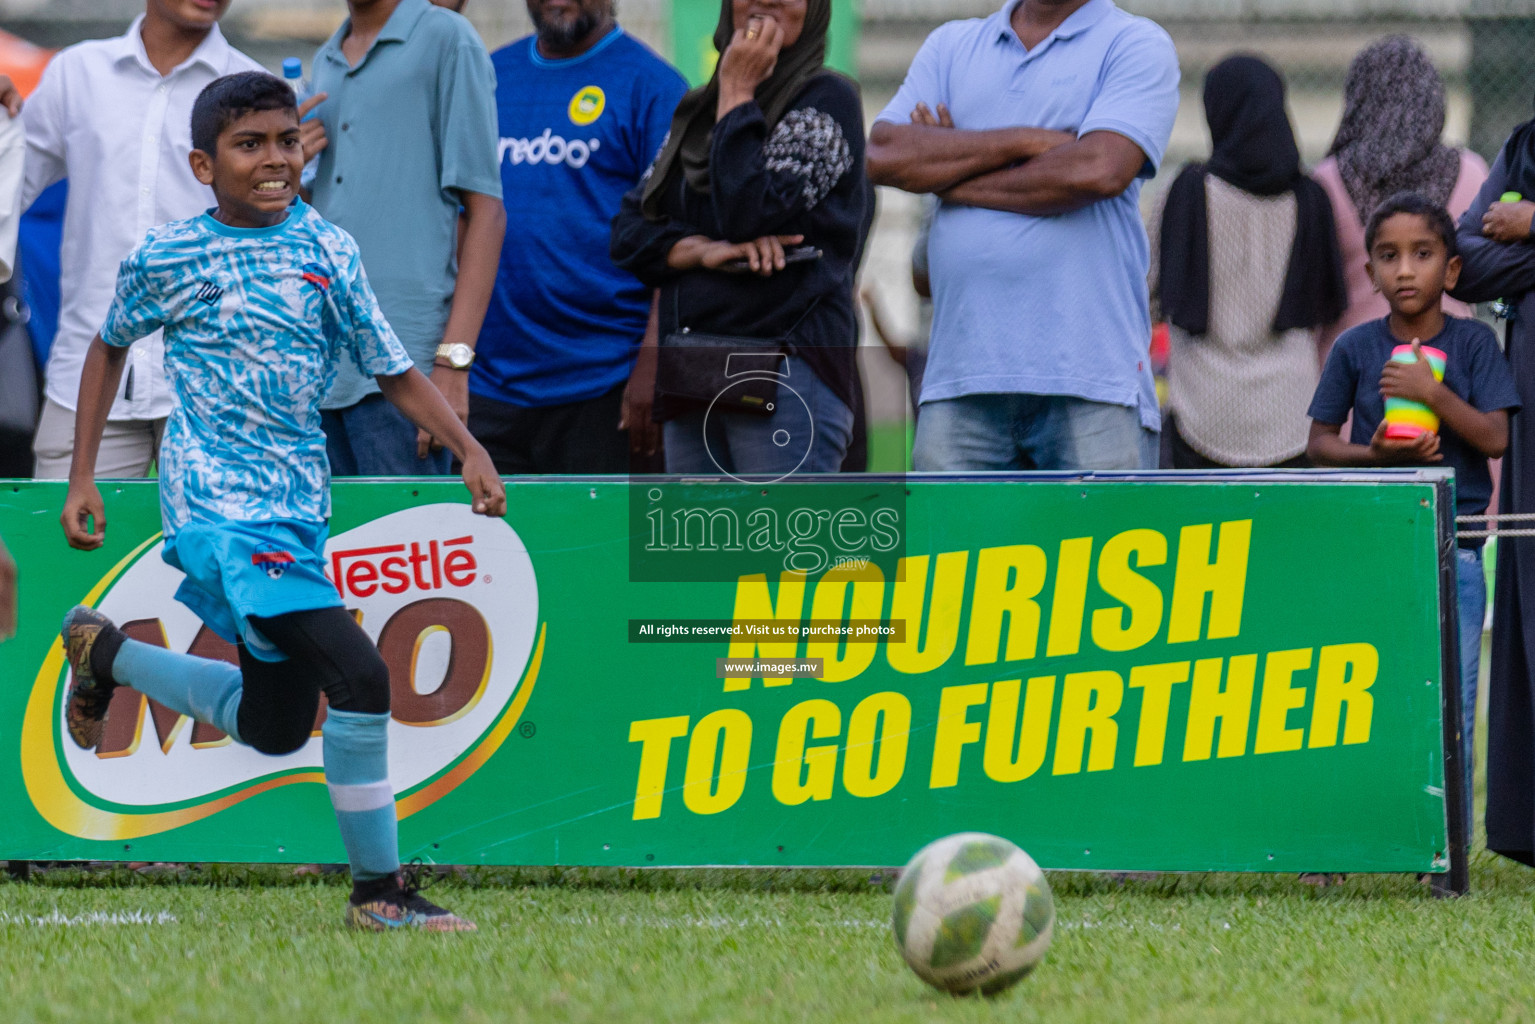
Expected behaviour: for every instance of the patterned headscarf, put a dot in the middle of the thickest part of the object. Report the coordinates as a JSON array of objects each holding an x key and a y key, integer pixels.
[{"x": 1393, "y": 115}]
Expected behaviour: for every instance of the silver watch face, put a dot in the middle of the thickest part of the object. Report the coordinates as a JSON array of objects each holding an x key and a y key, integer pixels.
[{"x": 460, "y": 355}]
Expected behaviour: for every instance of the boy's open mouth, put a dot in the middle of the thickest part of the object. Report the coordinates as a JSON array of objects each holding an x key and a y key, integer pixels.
[{"x": 271, "y": 186}]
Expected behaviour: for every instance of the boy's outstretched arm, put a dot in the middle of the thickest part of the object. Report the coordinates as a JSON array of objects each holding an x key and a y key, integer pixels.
[
  {"x": 415, "y": 396},
  {"x": 98, "y": 387},
  {"x": 1326, "y": 447}
]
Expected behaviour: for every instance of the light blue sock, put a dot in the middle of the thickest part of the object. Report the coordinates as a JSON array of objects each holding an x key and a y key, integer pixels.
[
  {"x": 207, "y": 690},
  {"x": 357, "y": 772}
]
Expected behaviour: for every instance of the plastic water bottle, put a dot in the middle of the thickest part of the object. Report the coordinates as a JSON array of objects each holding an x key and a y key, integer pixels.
[
  {"x": 293, "y": 74},
  {"x": 1502, "y": 309}
]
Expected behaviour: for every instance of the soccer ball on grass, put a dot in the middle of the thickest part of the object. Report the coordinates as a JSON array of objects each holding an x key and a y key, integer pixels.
[{"x": 973, "y": 912}]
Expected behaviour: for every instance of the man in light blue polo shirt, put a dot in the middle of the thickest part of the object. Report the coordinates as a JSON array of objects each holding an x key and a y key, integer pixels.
[
  {"x": 1035, "y": 127},
  {"x": 409, "y": 139}
]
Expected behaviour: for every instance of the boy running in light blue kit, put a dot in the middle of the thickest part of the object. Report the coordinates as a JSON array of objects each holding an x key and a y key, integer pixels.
[{"x": 259, "y": 298}]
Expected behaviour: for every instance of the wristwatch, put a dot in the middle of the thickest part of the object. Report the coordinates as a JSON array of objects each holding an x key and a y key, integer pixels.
[{"x": 456, "y": 357}]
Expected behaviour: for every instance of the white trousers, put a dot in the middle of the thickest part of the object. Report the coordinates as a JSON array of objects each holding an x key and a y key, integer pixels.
[{"x": 128, "y": 447}]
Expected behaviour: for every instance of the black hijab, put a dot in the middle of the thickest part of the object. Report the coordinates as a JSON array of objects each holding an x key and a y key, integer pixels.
[
  {"x": 1254, "y": 150},
  {"x": 692, "y": 134}
]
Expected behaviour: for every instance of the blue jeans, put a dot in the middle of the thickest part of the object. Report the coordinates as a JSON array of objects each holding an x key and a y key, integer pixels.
[
  {"x": 1017, "y": 431},
  {"x": 762, "y": 449},
  {"x": 373, "y": 438},
  {"x": 1471, "y": 602}
]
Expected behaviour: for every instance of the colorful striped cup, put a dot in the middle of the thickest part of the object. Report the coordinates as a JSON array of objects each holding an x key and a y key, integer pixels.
[{"x": 1406, "y": 419}]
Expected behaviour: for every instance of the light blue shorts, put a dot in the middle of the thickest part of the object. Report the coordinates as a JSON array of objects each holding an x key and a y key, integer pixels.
[{"x": 236, "y": 570}]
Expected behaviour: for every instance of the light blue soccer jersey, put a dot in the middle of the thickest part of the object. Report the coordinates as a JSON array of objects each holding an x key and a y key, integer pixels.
[{"x": 255, "y": 320}]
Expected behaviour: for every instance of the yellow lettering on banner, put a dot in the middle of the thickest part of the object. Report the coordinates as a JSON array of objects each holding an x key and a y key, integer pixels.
[
  {"x": 1232, "y": 707},
  {"x": 1224, "y": 580},
  {"x": 1156, "y": 683},
  {"x": 845, "y": 657},
  {"x": 883, "y": 718},
  {"x": 1141, "y": 598},
  {"x": 929, "y": 642},
  {"x": 1089, "y": 701},
  {"x": 1278, "y": 700},
  {"x": 754, "y": 602},
  {"x": 1007, "y": 581},
  {"x": 1070, "y": 597},
  {"x": 1001, "y": 762},
  {"x": 655, "y": 736},
  {"x": 718, "y": 756},
  {"x": 1344, "y": 675},
  {"x": 954, "y": 731},
  {"x": 803, "y": 773}
]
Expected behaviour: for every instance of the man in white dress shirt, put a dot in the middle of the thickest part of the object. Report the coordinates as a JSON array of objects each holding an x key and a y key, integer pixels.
[
  {"x": 12, "y": 150},
  {"x": 10, "y": 213},
  {"x": 114, "y": 116}
]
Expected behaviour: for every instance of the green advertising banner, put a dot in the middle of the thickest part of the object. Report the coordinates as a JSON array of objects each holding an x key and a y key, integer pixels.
[{"x": 1151, "y": 675}]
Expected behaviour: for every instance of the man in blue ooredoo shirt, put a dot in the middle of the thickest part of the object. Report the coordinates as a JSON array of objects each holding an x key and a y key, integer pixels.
[{"x": 583, "y": 109}]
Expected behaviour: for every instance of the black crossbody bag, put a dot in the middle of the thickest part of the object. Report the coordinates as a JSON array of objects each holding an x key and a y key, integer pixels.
[{"x": 728, "y": 372}]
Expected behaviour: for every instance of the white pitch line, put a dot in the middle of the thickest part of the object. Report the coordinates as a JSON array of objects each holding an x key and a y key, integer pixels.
[
  {"x": 716, "y": 922},
  {"x": 95, "y": 917},
  {"x": 1152, "y": 926}
]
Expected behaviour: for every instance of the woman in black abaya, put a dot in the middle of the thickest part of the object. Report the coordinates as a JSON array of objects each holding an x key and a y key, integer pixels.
[{"x": 1499, "y": 262}]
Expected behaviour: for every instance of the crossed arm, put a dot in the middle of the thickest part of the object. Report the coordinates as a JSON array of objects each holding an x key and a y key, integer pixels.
[
  {"x": 1033, "y": 171},
  {"x": 1493, "y": 238}
]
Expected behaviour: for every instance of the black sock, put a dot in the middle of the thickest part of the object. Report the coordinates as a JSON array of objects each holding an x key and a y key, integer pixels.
[
  {"x": 373, "y": 888},
  {"x": 104, "y": 652}
]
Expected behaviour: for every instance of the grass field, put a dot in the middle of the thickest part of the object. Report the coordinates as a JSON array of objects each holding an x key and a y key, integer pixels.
[
  {"x": 253, "y": 945},
  {"x": 247, "y": 945}
]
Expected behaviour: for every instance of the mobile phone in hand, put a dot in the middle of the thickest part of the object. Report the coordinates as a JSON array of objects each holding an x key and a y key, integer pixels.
[{"x": 796, "y": 254}]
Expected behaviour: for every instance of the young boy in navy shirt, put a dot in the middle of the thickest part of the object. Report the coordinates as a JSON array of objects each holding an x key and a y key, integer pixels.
[
  {"x": 260, "y": 299},
  {"x": 1411, "y": 245}
]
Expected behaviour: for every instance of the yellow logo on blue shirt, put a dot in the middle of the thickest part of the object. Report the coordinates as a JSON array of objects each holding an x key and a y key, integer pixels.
[{"x": 587, "y": 105}]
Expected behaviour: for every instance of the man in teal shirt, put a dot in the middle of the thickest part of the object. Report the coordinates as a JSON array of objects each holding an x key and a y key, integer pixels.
[{"x": 409, "y": 140}]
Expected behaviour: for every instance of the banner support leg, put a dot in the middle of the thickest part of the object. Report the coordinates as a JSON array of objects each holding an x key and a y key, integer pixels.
[{"x": 1457, "y": 798}]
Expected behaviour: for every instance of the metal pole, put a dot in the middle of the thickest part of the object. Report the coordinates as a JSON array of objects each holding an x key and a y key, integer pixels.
[{"x": 1457, "y": 881}]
